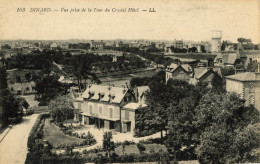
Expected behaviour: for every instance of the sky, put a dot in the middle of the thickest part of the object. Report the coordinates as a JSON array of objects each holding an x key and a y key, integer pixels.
[{"x": 173, "y": 19}]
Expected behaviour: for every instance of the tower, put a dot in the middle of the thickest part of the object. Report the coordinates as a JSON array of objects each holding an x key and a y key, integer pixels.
[{"x": 216, "y": 36}]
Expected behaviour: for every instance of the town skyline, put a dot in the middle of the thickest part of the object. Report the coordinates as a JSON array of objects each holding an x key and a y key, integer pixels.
[{"x": 187, "y": 20}]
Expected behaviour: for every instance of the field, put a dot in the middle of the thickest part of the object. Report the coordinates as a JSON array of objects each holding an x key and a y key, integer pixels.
[
  {"x": 54, "y": 136},
  {"x": 123, "y": 79}
]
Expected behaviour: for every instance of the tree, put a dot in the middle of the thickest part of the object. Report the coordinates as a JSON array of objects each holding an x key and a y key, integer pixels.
[
  {"x": 193, "y": 49},
  {"x": 108, "y": 144},
  {"x": 222, "y": 121},
  {"x": 48, "y": 87},
  {"x": 252, "y": 67},
  {"x": 61, "y": 108},
  {"x": 244, "y": 40},
  {"x": 180, "y": 126},
  {"x": 22, "y": 103},
  {"x": 203, "y": 49},
  {"x": 218, "y": 83},
  {"x": 3, "y": 78},
  {"x": 82, "y": 68},
  {"x": 141, "y": 147},
  {"x": 223, "y": 45},
  {"x": 28, "y": 76},
  {"x": 10, "y": 106},
  {"x": 18, "y": 79}
]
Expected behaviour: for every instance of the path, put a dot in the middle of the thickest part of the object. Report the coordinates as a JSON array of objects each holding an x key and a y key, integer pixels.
[{"x": 13, "y": 148}]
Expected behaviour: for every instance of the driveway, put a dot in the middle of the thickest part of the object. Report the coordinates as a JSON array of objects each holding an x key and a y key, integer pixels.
[{"x": 13, "y": 148}]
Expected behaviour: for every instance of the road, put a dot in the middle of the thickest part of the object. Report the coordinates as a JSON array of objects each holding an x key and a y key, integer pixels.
[{"x": 13, "y": 148}]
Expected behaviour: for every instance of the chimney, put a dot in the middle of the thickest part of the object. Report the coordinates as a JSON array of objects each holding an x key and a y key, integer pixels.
[
  {"x": 136, "y": 93},
  {"x": 124, "y": 90},
  {"x": 257, "y": 74}
]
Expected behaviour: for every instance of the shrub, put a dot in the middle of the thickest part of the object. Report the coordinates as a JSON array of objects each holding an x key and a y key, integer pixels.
[
  {"x": 84, "y": 151},
  {"x": 126, "y": 142},
  {"x": 31, "y": 137},
  {"x": 141, "y": 148}
]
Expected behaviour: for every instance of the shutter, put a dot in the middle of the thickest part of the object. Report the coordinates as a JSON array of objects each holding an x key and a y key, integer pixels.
[
  {"x": 126, "y": 115},
  {"x": 111, "y": 112}
]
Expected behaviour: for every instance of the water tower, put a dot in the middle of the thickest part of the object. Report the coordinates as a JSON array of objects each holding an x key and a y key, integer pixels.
[{"x": 216, "y": 36}]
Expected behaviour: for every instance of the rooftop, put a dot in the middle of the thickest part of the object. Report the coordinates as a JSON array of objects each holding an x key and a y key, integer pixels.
[
  {"x": 134, "y": 106},
  {"x": 105, "y": 93},
  {"x": 246, "y": 76}
]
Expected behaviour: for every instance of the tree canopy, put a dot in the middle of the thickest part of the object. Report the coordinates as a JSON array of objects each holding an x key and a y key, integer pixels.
[
  {"x": 222, "y": 121},
  {"x": 61, "y": 108}
]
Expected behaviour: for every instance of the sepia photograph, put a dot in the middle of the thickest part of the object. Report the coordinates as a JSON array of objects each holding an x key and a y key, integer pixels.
[{"x": 120, "y": 81}]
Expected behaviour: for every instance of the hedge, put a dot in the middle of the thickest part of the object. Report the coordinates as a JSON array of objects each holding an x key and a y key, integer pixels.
[
  {"x": 32, "y": 134},
  {"x": 76, "y": 158}
]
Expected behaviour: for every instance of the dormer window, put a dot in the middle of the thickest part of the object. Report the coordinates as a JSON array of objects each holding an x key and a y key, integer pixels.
[
  {"x": 91, "y": 93},
  {"x": 101, "y": 95},
  {"x": 111, "y": 97}
]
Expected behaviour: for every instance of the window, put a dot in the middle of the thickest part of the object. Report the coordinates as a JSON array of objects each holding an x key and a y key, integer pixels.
[
  {"x": 129, "y": 98},
  {"x": 126, "y": 115},
  {"x": 100, "y": 110},
  {"x": 110, "y": 112},
  {"x": 125, "y": 99},
  {"x": 90, "y": 109}
]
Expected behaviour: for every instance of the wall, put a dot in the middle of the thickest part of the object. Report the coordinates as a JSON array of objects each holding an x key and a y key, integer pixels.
[
  {"x": 178, "y": 74},
  {"x": 131, "y": 118},
  {"x": 104, "y": 113},
  {"x": 235, "y": 86},
  {"x": 251, "y": 93},
  {"x": 252, "y": 96},
  {"x": 215, "y": 45}
]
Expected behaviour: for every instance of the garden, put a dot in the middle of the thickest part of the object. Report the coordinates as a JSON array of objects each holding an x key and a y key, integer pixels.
[
  {"x": 61, "y": 136},
  {"x": 47, "y": 137}
]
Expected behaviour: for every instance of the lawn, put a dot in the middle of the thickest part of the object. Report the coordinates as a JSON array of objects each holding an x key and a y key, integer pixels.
[
  {"x": 54, "y": 136},
  {"x": 129, "y": 149}
]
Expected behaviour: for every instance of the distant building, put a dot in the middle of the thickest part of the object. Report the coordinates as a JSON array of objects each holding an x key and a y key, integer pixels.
[
  {"x": 160, "y": 45},
  {"x": 179, "y": 44},
  {"x": 24, "y": 88},
  {"x": 54, "y": 46},
  {"x": 192, "y": 75},
  {"x": 133, "y": 44},
  {"x": 216, "y": 41},
  {"x": 205, "y": 46},
  {"x": 178, "y": 72},
  {"x": 110, "y": 107},
  {"x": 64, "y": 46},
  {"x": 229, "y": 60},
  {"x": 247, "y": 85},
  {"x": 97, "y": 45},
  {"x": 168, "y": 50},
  {"x": 120, "y": 44},
  {"x": 197, "y": 45},
  {"x": 204, "y": 74}
]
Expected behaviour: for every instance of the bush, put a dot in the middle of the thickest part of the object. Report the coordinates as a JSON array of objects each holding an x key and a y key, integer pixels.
[
  {"x": 31, "y": 137},
  {"x": 76, "y": 158},
  {"x": 141, "y": 147}
]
